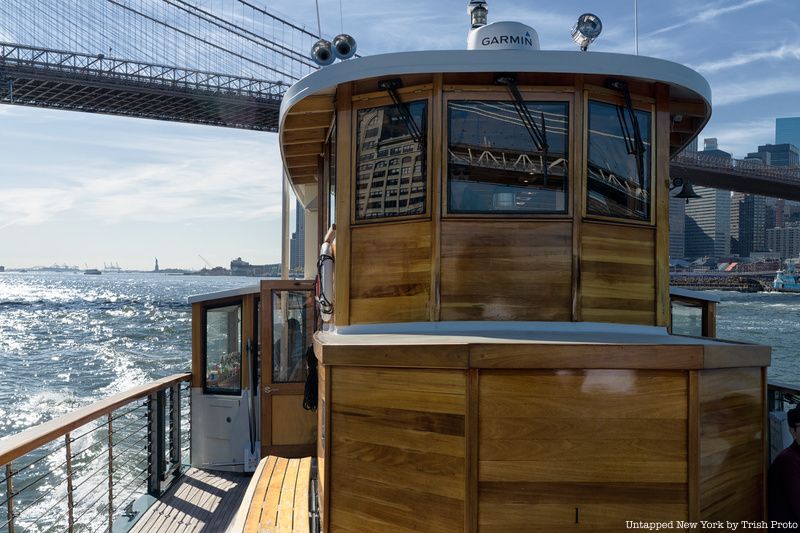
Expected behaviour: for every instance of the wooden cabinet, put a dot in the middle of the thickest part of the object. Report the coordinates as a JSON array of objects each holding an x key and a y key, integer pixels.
[{"x": 461, "y": 434}]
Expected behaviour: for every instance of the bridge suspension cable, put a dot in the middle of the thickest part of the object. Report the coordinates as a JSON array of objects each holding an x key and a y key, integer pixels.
[{"x": 233, "y": 37}]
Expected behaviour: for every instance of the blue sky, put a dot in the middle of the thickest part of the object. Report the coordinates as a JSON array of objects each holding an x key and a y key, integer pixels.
[{"x": 86, "y": 189}]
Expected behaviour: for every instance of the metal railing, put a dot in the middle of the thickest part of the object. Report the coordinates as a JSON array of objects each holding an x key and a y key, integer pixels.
[
  {"x": 76, "y": 64},
  {"x": 94, "y": 468}
]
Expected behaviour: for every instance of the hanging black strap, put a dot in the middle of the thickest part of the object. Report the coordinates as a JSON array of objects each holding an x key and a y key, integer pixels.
[{"x": 310, "y": 393}]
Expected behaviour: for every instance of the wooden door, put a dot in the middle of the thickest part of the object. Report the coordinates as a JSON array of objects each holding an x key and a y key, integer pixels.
[{"x": 288, "y": 321}]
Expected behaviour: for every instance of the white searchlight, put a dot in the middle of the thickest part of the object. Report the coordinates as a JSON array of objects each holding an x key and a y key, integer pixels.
[{"x": 586, "y": 30}]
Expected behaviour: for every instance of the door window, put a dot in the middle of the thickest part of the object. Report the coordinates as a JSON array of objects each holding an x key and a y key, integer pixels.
[
  {"x": 292, "y": 330},
  {"x": 223, "y": 350}
]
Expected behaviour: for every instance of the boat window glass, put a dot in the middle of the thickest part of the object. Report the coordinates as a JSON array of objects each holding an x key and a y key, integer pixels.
[
  {"x": 613, "y": 183},
  {"x": 332, "y": 177},
  {"x": 382, "y": 132},
  {"x": 292, "y": 331},
  {"x": 223, "y": 350},
  {"x": 493, "y": 164},
  {"x": 687, "y": 319}
]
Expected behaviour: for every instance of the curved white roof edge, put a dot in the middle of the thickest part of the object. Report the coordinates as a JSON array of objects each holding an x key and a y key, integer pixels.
[
  {"x": 544, "y": 61},
  {"x": 468, "y": 327}
]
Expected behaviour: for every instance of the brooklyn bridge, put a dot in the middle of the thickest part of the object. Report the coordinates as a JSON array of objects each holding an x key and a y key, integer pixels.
[{"x": 219, "y": 64}]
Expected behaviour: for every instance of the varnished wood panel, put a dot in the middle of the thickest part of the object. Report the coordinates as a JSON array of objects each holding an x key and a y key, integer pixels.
[
  {"x": 390, "y": 278},
  {"x": 323, "y": 440},
  {"x": 342, "y": 244},
  {"x": 661, "y": 204},
  {"x": 506, "y": 270},
  {"x": 731, "y": 470},
  {"x": 618, "y": 281},
  {"x": 397, "y": 450},
  {"x": 564, "y": 449},
  {"x": 577, "y": 193},
  {"x": 197, "y": 345},
  {"x": 398, "y": 356},
  {"x": 291, "y": 424}
]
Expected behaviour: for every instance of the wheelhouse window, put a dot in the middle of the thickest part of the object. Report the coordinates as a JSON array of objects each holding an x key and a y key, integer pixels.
[
  {"x": 383, "y": 133},
  {"x": 223, "y": 350},
  {"x": 502, "y": 160},
  {"x": 619, "y": 162}
]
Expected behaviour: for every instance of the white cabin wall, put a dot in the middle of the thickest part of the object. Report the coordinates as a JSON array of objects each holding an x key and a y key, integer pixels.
[{"x": 220, "y": 431}]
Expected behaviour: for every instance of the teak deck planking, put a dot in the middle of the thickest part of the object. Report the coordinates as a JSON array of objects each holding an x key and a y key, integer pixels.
[{"x": 201, "y": 500}]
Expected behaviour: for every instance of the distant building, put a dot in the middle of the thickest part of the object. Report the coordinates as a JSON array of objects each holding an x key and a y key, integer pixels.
[
  {"x": 785, "y": 241},
  {"x": 677, "y": 228},
  {"x": 155, "y": 269},
  {"x": 780, "y": 155},
  {"x": 736, "y": 201},
  {"x": 708, "y": 218},
  {"x": 2, "y": 268},
  {"x": 748, "y": 224},
  {"x": 787, "y": 130},
  {"x": 708, "y": 224},
  {"x": 243, "y": 268},
  {"x": 762, "y": 157},
  {"x": 711, "y": 149},
  {"x": 297, "y": 250}
]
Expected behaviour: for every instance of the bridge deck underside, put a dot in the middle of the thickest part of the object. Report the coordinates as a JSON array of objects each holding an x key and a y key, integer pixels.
[
  {"x": 725, "y": 179},
  {"x": 157, "y": 100}
]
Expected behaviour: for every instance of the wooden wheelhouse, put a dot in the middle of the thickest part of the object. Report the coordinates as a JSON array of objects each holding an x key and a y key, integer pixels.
[{"x": 499, "y": 356}]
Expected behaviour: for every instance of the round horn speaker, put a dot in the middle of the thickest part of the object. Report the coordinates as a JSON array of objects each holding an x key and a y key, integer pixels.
[
  {"x": 322, "y": 53},
  {"x": 344, "y": 46}
]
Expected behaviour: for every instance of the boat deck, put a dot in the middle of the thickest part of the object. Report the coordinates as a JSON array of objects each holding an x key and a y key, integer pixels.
[{"x": 200, "y": 500}]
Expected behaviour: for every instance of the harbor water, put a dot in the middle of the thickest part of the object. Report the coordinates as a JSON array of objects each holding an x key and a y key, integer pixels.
[{"x": 68, "y": 339}]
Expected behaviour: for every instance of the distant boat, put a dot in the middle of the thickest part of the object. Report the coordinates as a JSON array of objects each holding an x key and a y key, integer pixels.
[
  {"x": 788, "y": 279},
  {"x": 92, "y": 271}
]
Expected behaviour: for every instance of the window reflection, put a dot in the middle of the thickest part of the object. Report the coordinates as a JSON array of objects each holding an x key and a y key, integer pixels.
[
  {"x": 687, "y": 319},
  {"x": 387, "y": 184},
  {"x": 494, "y": 165},
  {"x": 223, "y": 350},
  {"x": 292, "y": 328},
  {"x": 614, "y": 187}
]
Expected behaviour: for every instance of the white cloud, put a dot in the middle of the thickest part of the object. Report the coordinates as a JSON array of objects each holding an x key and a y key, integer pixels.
[
  {"x": 740, "y": 138},
  {"x": 29, "y": 206},
  {"x": 737, "y": 60},
  {"x": 736, "y": 92},
  {"x": 710, "y": 14}
]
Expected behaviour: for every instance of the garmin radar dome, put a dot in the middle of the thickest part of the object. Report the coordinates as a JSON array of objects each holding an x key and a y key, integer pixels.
[{"x": 504, "y": 35}]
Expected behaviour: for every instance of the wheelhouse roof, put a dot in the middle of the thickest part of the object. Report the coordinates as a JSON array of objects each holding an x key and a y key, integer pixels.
[{"x": 308, "y": 106}]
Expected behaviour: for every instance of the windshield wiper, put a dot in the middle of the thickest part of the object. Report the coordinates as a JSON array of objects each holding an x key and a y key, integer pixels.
[
  {"x": 633, "y": 143},
  {"x": 391, "y": 86},
  {"x": 538, "y": 136}
]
